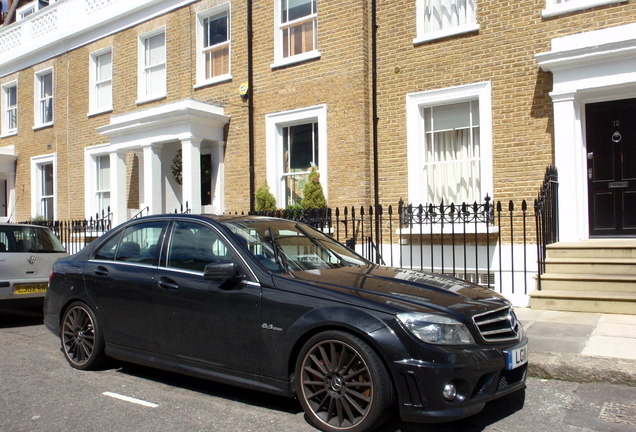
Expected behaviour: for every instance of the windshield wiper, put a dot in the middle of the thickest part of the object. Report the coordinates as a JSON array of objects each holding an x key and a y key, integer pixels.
[
  {"x": 322, "y": 247},
  {"x": 279, "y": 254}
]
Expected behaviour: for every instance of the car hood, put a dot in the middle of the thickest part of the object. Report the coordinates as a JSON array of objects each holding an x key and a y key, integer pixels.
[{"x": 402, "y": 289}]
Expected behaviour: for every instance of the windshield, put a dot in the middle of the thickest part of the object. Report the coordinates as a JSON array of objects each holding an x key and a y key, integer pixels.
[
  {"x": 290, "y": 246},
  {"x": 18, "y": 238}
]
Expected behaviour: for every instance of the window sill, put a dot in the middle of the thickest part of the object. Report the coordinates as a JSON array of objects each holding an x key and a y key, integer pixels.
[
  {"x": 215, "y": 80},
  {"x": 99, "y": 111},
  {"x": 300, "y": 58},
  {"x": 151, "y": 98},
  {"x": 442, "y": 34},
  {"x": 574, "y": 6},
  {"x": 43, "y": 126},
  {"x": 9, "y": 134}
]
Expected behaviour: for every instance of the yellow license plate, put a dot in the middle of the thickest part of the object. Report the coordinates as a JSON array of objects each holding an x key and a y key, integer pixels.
[{"x": 29, "y": 288}]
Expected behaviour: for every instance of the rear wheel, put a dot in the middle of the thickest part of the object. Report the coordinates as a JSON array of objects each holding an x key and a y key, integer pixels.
[
  {"x": 342, "y": 384},
  {"x": 82, "y": 341}
]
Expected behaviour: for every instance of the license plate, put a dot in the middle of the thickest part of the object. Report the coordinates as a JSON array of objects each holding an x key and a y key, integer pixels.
[
  {"x": 517, "y": 357},
  {"x": 29, "y": 288}
]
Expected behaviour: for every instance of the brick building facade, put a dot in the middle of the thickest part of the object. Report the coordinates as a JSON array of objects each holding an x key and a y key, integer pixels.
[{"x": 102, "y": 100}]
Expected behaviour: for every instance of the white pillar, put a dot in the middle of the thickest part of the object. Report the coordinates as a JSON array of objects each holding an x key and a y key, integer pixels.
[
  {"x": 218, "y": 175},
  {"x": 191, "y": 174},
  {"x": 152, "y": 180},
  {"x": 118, "y": 205},
  {"x": 570, "y": 160}
]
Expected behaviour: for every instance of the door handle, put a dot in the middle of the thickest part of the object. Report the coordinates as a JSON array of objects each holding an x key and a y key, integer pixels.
[
  {"x": 101, "y": 271},
  {"x": 167, "y": 283}
]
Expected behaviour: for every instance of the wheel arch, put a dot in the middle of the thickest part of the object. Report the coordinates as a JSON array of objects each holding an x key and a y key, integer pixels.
[{"x": 367, "y": 326}]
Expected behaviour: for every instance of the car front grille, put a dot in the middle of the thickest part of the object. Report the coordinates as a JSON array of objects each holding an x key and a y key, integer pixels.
[{"x": 499, "y": 325}]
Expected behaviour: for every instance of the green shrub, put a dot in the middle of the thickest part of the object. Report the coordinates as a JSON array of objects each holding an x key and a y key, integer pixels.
[
  {"x": 313, "y": 196},
  {"x": 265, "y": 200}
]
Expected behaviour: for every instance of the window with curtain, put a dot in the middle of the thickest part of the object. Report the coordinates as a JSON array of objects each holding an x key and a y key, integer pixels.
[
  {"x": 216, "y": 45},
  {"x": 153, "y": 66},
  {"x": 10, "y": 108},
  {"x": 103, "y": 184},
  {"x": 298, "y": 26},
  {"x": 452, "y": 153},
  {"x": 300, "y": 153},
  {"x": 448, "y": 14},
  {"x": 44, "y": 104}
]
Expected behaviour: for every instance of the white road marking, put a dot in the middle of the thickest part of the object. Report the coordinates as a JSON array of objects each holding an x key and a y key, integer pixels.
[{"x": 130, "y": 399}]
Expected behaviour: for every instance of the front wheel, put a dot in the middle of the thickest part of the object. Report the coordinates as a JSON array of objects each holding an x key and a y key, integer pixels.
[
  {"x": 82, "y": 340},
  {"x": 342, "y": 384}
]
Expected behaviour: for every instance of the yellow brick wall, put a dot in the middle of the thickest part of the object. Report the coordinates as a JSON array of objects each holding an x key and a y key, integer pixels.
[{"x": 501, "y": 52}]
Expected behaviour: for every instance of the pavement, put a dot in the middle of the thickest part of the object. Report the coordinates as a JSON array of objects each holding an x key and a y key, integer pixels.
[{"x": 580, "y": 346}]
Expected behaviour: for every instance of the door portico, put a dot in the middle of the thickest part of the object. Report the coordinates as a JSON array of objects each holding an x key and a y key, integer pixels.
[
  {"x": 150, "y": 141},
  {"x": 587, "y": 68}
]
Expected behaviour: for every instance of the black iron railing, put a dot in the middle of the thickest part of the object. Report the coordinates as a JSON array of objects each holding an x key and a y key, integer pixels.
[
  {"x": 76, "y": 234},
  {"x": 546, "y": 209}
]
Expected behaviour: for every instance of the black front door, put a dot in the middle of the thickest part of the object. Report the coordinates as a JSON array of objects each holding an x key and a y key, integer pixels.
[{"x": 611, "y": 167}]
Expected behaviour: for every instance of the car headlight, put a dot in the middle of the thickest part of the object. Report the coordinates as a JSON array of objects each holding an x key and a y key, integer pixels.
[{"x": 436, "y": 329}]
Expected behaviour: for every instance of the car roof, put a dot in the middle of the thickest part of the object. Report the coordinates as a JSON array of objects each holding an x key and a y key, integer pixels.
[
  {"x": 11, "y": 224},
  {"x": 213, "y": 217}
]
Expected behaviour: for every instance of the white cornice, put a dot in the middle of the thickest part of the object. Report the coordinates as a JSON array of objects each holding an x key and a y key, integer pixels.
[
  {"x": 175, "y": 120},
  {"x": 69, "y": 24},
  {"x": 582, "y": 49}
]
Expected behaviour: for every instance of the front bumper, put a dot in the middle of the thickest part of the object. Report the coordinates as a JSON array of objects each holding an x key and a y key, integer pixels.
[
  {"x": 421, "y": 371},
  {"x": 419, "y": 386}
]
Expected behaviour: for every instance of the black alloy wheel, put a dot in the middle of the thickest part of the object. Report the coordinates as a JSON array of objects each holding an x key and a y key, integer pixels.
[
  {"x": 342, "y": 384},
  {"x": 82, "y": 341}
]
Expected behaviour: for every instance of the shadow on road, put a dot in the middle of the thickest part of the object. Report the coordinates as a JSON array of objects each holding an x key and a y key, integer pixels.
[
  {"x": 20, "y": 317},
  {"x": 236, "y": 394},
  {"x": 492, "y": 413}
]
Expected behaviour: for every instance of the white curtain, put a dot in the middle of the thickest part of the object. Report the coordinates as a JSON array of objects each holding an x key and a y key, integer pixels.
[
  {"x": 445, "y": 14},
  {"x": 452, "y": 152}
]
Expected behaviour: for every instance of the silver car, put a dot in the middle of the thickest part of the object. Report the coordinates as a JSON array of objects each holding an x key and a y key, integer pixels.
[{"x": 27, "y": 254}]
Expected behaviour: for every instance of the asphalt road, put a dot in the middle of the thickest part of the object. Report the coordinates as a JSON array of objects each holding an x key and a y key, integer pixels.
[{"x": 40, "y": 392}]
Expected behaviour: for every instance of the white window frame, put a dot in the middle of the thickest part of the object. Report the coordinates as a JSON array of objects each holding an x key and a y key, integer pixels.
[
  {"x": 201, "y": 18},
  {"x": 37, "y": 162},
  {"x": 415, "y": 134},
  {"x": 425, "y": 36},
  {"x": 6, "y": 130},
  {"x": 91, "y": 156},
  {"x": 560, "y": 7},
  {"x": 274, "y": 124},
  {"x": 279, "y": 60},
  {"x": 39, "y": 99},
  {"x": 142, "y": 91},
  {"x": 94, "y": 83}
]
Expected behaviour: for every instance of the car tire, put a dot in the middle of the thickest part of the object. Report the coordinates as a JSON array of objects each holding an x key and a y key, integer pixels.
[
  {"x": 342, "y": 384},
  {"x": 81, "y": 337}
]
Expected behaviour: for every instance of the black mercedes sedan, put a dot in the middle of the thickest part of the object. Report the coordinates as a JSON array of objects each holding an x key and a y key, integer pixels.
[{"x": 277, "y": 306}]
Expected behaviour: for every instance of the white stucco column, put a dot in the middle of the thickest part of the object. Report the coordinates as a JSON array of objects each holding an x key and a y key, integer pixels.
[
  {"x": 152, "y": 180},
  {"x": 570, "y": 160},
  {"x": 191, "y": 173},
  {"x": 118, "y": 205},
  {"x": 218, "y": 174}
]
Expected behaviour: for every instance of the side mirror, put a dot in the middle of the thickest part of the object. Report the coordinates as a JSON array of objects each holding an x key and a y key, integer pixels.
[{"x": 221, "y": 272}]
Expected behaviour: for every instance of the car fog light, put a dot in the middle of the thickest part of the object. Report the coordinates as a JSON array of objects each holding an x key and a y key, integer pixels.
[{"x": 449, "y": 392}]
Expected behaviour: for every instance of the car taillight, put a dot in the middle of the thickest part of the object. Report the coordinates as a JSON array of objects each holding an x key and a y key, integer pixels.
[{"x": 51, "y": 276}]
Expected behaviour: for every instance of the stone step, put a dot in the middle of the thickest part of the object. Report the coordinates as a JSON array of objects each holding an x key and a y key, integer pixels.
[
  {"x": 615, "y": 248},
  {"x": 583, "y": 301},
  {"x": 607, "y": 266},
  {"x": 595, "y": 283}
]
